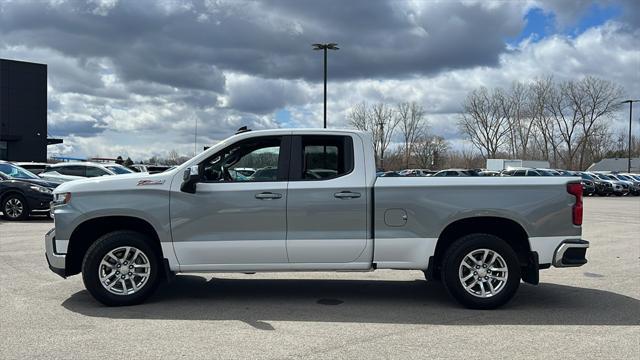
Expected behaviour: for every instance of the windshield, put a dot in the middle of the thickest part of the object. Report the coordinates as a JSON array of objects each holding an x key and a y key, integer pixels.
[
  {"x": 587, "y": 176},
  {"x": 119, "y": 169},
  {"x": 17, "y": 172}
]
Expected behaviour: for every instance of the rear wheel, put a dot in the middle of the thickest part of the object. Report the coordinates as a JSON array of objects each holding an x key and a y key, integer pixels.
[
  {"x": 121, "y": 268},
  {"x": 481, "y": 271},
  {"x": 15, "y": 207}
]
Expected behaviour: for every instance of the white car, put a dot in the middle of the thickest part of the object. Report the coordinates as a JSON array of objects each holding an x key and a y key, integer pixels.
[{"x": 68, "y": 171}]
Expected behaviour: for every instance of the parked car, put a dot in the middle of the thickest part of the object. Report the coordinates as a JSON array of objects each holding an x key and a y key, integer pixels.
[
  {"x": 521, "y": 172},
  {"x": 413, "y": 172},
  {"x": 68, "y": 171},
  {"x": 428, "y": 172},
  {"x": 481, "y": 237},
  {"x": 619, "y": 189},
  {"x": 603, "y": 188},
  {"x": 588, "y": 187},
  {"x": 151, "y": 169},
  {"x": 634, "y": 185},
  {"x": 389, "y": 174},
  {"x": 456, "y": 172},
  {"x": 548, "y": 172},
  {"x": 19, "y": 198},
  {"x": 488, "y": 173},
  {"x": 246, "y": 171},
  {"x": 34, "y": 167},
  {"x": 16, "y": 172}
]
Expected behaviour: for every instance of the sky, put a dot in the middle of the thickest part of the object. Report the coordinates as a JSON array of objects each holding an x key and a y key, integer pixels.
[{"x": 132, "y": 78}]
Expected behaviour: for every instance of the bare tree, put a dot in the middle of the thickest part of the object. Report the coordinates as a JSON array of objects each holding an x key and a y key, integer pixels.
[
  {"x": 172, "y": 157},
  {"x": 521, "y": 124},
  {"x": 380, "y": 121},
  {"x": 386, "y": 121},
  {"x": 429, "y": 151},
  {"x": 411, "y": 125},
  {"x": 599, "y": 99},
  {"x": 485, "y": 122},
  {"x": 545, "y": 134},
  {"x": 361, "y": 119}
]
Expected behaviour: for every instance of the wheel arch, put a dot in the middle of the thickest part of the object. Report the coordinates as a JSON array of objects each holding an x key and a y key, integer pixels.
[
  {"x": 9, "y": 192},
  {"x": 90, "y": 230},
  {"x": 507, "y": 229}
]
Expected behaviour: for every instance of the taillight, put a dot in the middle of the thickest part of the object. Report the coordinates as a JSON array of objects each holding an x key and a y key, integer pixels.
[{"x": 575, "y": 189}]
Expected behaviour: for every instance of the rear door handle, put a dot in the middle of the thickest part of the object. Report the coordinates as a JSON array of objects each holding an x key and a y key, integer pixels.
[
  {"x": 346, "y": 195},
  {"x": 268, "y": 196}
]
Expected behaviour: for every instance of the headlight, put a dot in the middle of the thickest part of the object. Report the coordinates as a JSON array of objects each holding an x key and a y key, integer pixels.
[
  {"x": 61, "y": 198},
  {"x": 41, "y": 189}
]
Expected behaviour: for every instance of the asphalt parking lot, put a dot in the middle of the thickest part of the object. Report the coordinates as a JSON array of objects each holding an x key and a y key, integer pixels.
[{"x": 587, "y": 312}]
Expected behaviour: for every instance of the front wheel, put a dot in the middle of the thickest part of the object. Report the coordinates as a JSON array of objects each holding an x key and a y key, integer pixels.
[
  {"x": 481, "y": 271},
  {"x": 14, "y": 207},
  {"x": 121, "y": 268}
]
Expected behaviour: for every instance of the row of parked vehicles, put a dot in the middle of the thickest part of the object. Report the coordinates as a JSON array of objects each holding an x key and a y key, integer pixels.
[
  {"x": 26, "y": 188},
  {"x": 602, "y": 183}
]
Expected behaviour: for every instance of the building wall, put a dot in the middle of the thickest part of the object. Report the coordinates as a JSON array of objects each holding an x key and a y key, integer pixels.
[{"x": 23, "y": 111}]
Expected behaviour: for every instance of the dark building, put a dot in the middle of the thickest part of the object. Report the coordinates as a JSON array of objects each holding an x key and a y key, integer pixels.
[{"x": 23, "y": 111}]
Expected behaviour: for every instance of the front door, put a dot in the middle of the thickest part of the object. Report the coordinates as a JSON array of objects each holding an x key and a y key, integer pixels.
[
  {"x": 327, "y": 201},
  {"x": 237, "y": 214}
]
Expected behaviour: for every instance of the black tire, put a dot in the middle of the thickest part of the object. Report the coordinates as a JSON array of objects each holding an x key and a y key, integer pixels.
[
  {"x": 453, "y": 258},
  {"x": 15, "y": 197},
  {"x": 98, "y": 250}
]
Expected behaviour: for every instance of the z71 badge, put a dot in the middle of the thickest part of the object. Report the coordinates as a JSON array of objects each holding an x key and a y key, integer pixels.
[{"x": 150, "y": 182}]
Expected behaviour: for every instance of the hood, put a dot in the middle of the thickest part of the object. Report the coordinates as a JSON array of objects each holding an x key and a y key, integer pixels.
[
  {"x": 45, "y": 183},
  {"x": 117, "y": 182}
]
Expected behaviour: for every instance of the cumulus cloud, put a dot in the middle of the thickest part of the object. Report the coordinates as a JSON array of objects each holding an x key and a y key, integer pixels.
[{"x": 125, "y": 76}]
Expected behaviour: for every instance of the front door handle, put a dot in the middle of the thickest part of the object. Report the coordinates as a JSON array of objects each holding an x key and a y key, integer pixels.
[
  {"x": 268, "y": 196},
  {"x": 346, "y": 195}
]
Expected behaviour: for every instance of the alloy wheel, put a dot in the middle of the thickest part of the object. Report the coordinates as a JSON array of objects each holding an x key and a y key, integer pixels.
[
  {"x": 483, "y": 273},
  {"x": 13, "y": 208},
  {"x": 124, "y": 270}
]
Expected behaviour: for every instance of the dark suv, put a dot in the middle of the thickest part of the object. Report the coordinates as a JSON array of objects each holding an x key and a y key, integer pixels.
[{"x": 602, "y": 188}]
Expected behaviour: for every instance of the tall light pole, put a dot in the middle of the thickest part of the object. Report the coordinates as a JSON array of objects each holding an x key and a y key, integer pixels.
[
  {"x": 325, "y": 47},
  {"x": 195, "y": 139},
  {"x": 630, "y": 112}
]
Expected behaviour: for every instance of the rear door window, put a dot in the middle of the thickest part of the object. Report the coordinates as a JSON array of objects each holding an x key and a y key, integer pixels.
[
  {"x": 74, "y": 170},
  {"x": 323, "y": 157},
  {"x": 93, "y": 171}
]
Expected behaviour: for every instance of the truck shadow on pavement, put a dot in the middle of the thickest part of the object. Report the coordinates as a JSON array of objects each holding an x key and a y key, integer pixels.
[{"x": 258, "y": 301}]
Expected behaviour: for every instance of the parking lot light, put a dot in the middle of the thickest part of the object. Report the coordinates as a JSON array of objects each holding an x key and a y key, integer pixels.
[{"x": 630, "y": 112}]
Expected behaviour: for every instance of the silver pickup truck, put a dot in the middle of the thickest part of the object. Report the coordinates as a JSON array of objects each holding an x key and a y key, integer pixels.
[{"x": 309, "y": 200}]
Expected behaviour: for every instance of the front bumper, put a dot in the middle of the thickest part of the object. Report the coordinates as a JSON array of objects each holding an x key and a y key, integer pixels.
[
  {"x": 56, "y": 261},
  {"x": 39, "y": 201},
  {"x": 571, "y": 253}
]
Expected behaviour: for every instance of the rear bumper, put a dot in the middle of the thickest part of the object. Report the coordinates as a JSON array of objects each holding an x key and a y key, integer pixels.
[
  {"x": 56, "y": 261},
  {"x": 571, "y": 253}
]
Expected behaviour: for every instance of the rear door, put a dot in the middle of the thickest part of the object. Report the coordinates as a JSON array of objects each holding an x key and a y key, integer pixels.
[{"x": 327, "y": 200}]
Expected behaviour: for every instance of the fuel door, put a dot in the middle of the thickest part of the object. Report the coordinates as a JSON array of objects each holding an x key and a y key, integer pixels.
[{"x": 395, "y": 217}]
